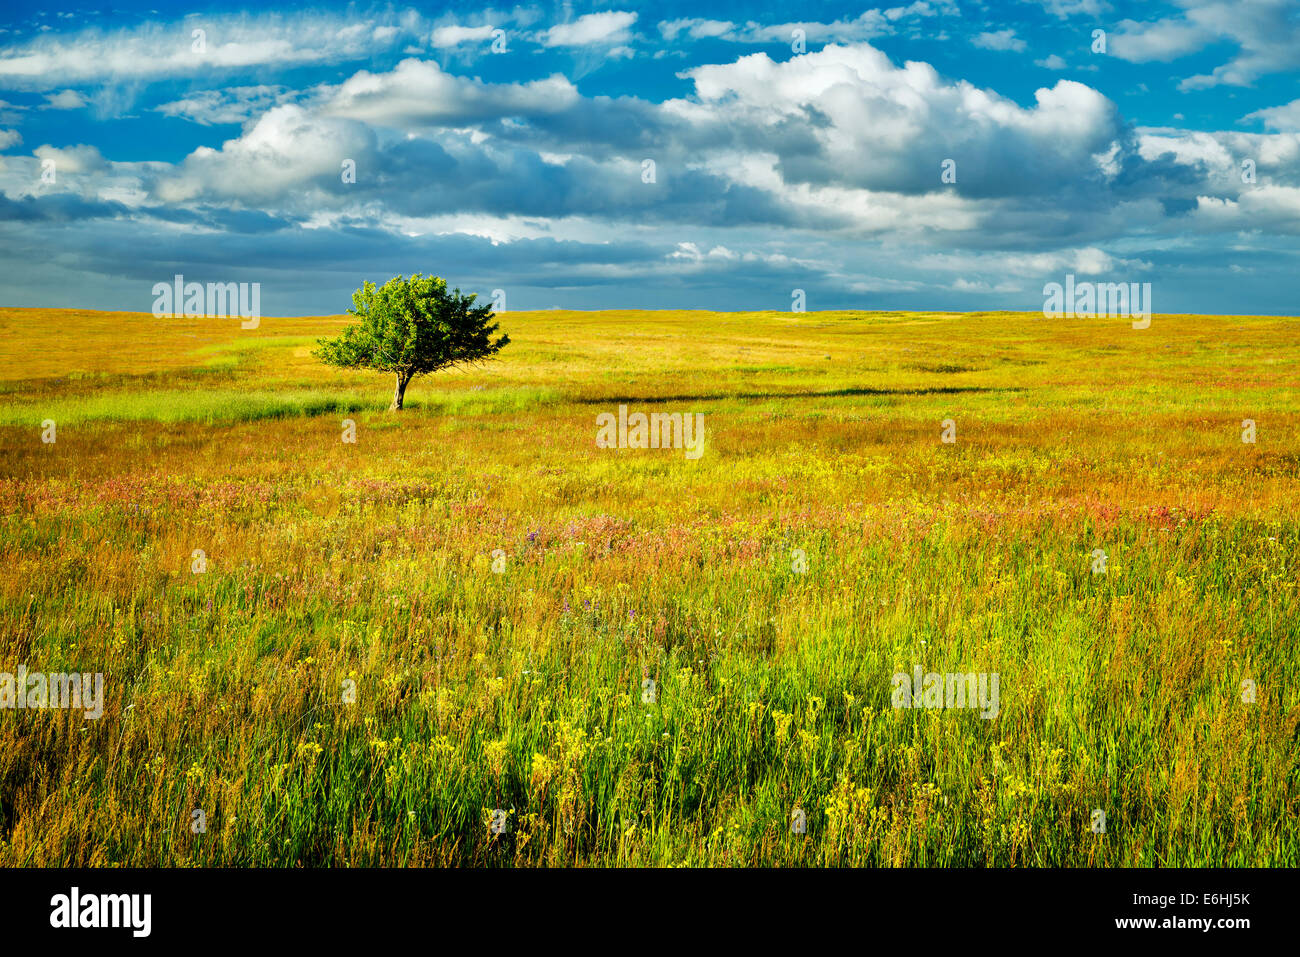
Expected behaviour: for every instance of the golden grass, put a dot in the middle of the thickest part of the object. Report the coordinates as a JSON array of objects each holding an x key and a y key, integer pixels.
[{"x": 523, "y": 690}]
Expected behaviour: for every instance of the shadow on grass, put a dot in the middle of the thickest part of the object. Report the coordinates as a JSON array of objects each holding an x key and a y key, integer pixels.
[{"x": 832, "y": 394}]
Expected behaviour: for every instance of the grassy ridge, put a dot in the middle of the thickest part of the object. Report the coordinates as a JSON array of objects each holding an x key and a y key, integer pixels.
[{"x": 332, "y": 562}]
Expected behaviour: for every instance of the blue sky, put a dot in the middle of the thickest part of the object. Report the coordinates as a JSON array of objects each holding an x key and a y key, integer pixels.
[{"x": 792, "y": 147}]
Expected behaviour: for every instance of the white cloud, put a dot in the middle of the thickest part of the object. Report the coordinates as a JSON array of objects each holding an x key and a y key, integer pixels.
[
  {"x": 1272, "y": 207},
  {"x": 64, "y": 100},
  {"x": 154, "y": 50},
  {"x": 73, "y": 159},
  {"x": 866, "y": 26},
  {"x": 613, "y": 27},
  {"x": 888, "y": 127},
  {"x": 1218, "y": 155},
  {"x": 961, "y": 284},
  {"x": 923, "y": 9},
  {"x": 1265, "y": 32},
  {"x": 1284, "y": 118},
  {"x": 286, "y": 146},
  {"x": 1161, "y": 41},
  {"x": 419, "y": 91},
  {"x": 454, "y": 35},
  {"x": 999, "y": 40},
  {"x": 825, "y": 164},
  {"x": 236, "y": 104},
  {"x": 1088, "y": 261},
  {"x": 691, "y": 253},
  {"x": 695, "y": 28},
  {"x": 1071, "y": 8},
  {"x": 11, "y": 112}
]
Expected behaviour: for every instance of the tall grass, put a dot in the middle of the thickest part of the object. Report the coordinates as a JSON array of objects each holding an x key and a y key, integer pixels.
[{"x": 523, "y": 690}]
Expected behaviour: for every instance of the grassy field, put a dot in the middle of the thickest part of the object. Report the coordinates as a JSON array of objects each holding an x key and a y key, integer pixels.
[{"x": 826, "y": 539}]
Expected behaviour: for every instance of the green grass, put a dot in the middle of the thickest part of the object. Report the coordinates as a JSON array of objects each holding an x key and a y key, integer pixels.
[{"x": 522, "y": 690}]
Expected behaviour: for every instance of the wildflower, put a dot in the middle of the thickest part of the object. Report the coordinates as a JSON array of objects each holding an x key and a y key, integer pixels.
[
  {"x": 807, "y": 743},
  {"x": 494, "y": 754},
  {"x": 543, "y": 770},
  {"x": 782, "y": 720}
]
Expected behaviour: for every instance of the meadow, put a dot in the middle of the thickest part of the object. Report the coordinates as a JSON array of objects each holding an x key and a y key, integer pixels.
[{"x": 639, "y": 658}]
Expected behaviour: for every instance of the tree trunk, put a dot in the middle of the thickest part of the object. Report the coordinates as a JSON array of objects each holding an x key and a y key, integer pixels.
[{"x": 403, "y": 380}]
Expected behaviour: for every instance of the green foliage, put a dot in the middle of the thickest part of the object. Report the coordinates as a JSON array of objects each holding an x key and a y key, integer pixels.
[{"x": 412, "y": 327}]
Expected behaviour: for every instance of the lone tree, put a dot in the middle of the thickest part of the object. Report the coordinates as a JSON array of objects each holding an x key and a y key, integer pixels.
[{"x": 412, "y": 327}]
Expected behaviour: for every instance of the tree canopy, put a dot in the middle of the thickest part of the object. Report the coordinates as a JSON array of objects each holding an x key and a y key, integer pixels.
[{"x": 412, "y": 327}]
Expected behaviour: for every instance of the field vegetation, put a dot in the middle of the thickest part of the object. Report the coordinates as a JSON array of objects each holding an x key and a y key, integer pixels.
[{"x": 498, "y": 591}]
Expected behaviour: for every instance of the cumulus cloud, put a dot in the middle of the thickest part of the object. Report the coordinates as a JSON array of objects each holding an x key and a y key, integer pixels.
[
  {"x": 873, "y": 125},
  {"x": 64, "y": 100},
  {"x": 1284, "y": 118},
  {"x": 285, "y": 147},
  {"x": 1266, "y": 34},
  {"x": 1272, "y": 207},
  {"x": 999, "y": 40},
  {"x": 841, "y": 140},
  {"x": 592, "y": 29},
  {"x": 1160, "y": 40},
  {"x": 454, "y": 35},
  {"x": 820, "y": 170},
  {"x": 421, "y": 92},
  {"x": 82, "y": 158},
  {"x": 1216, "y": 158}
]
